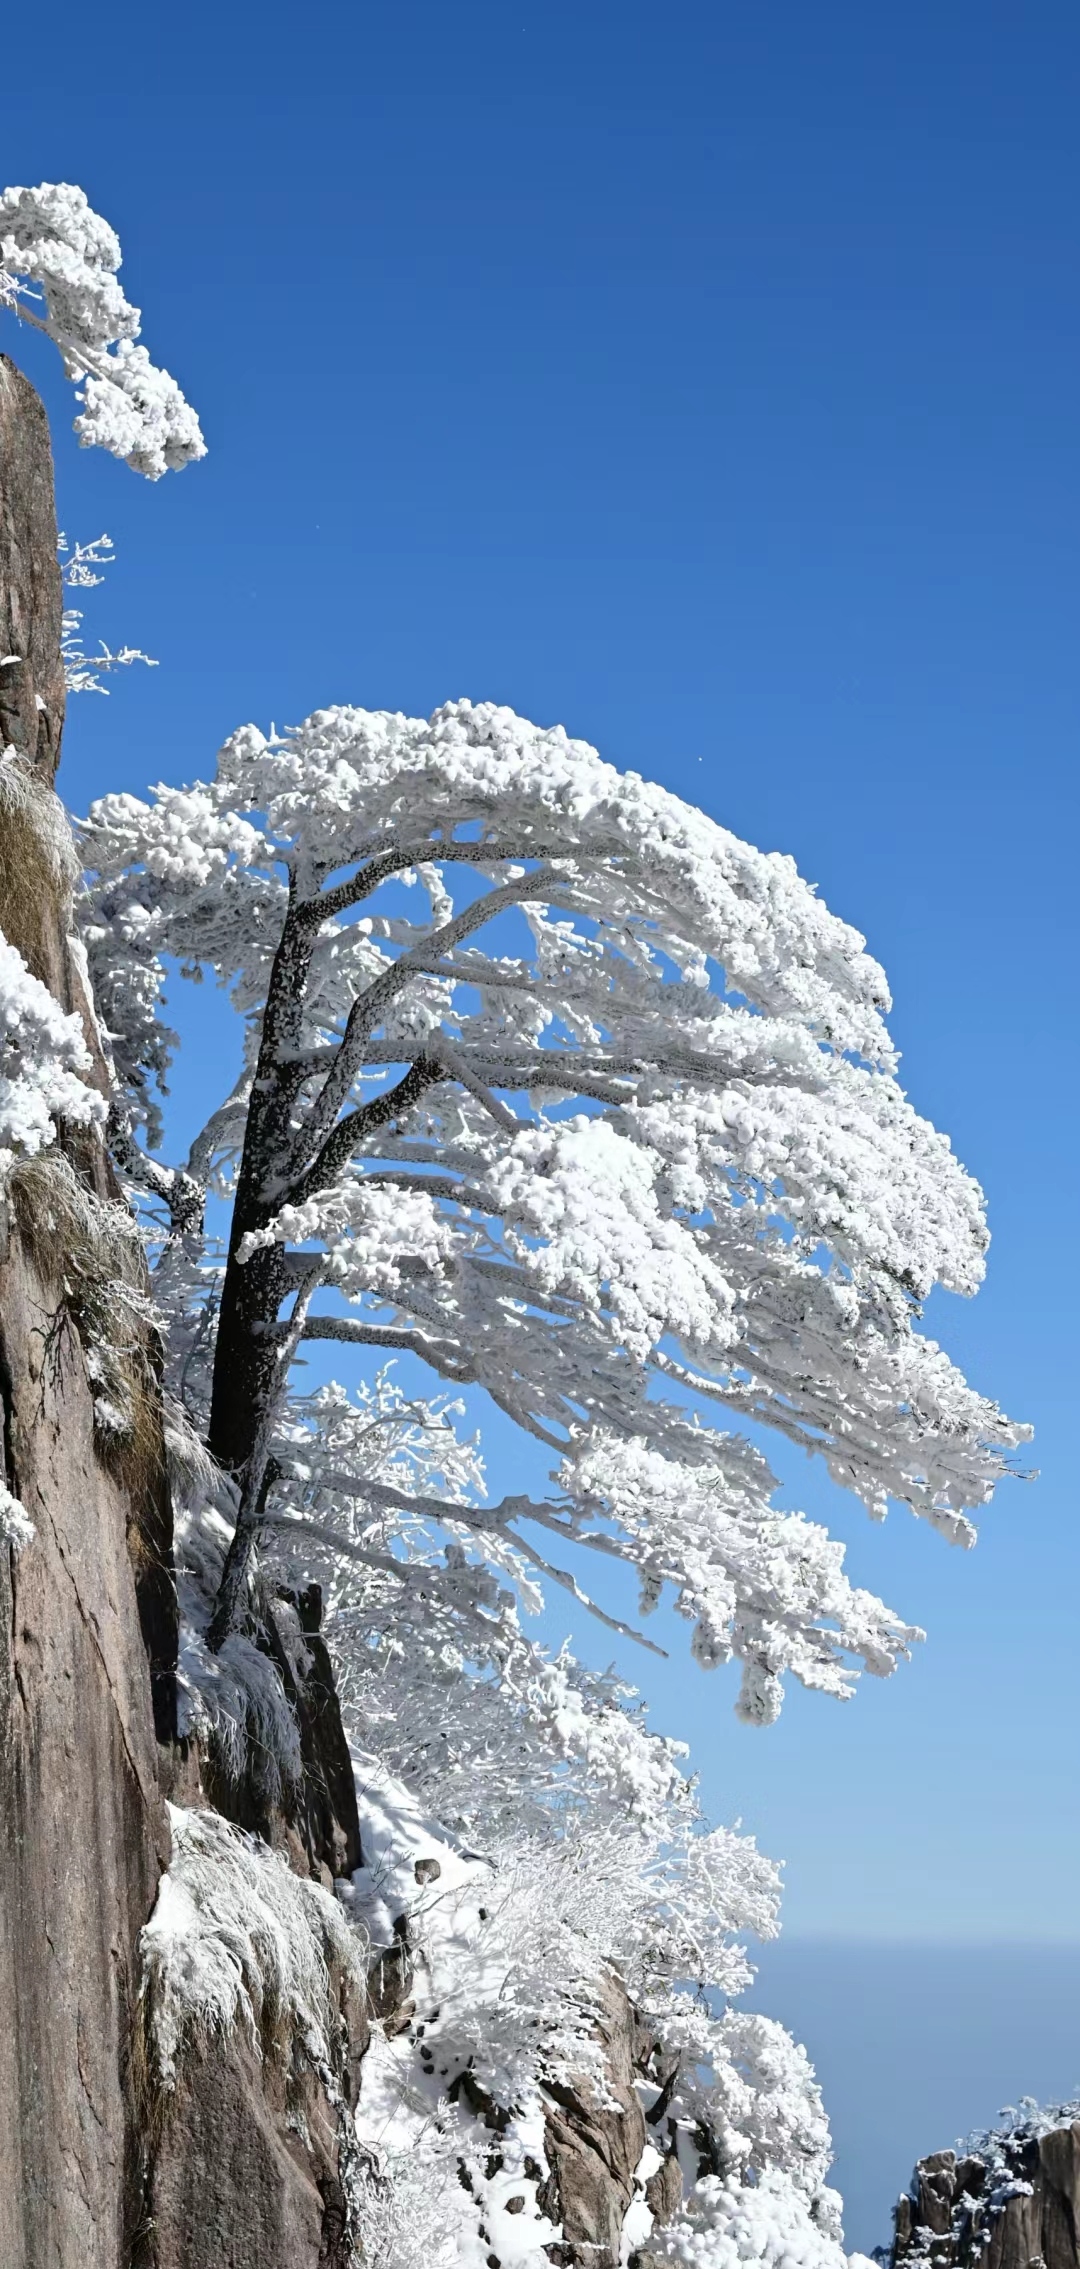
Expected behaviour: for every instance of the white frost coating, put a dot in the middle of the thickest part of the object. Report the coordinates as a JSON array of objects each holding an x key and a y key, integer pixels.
[
  {"x": 43, "y": 1057},
  {"x": 236, "y": 1939},
  {"x": 16, "y": 1527},
  {"x": 52, "y": 240}
]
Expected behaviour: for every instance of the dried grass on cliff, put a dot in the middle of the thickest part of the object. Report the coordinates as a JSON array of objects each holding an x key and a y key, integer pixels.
[
  {"x": 38, "y": 866},
  {"x": 88, "y": 1256},
  {"x": 236, "y": 1940}
]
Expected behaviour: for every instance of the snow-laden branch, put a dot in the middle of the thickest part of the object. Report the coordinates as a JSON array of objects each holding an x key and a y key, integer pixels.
[
  {"x": 83, "y": 672},
  {"x": 44, "y": 1063},
  {"x": 369, "y": 1009},
  {"x": 55, "y": 250}
]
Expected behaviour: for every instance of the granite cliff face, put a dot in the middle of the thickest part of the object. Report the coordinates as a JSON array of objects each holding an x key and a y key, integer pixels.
[
  {"x": 95, "y": 2173},
  {"x": 242, "y": 2161},
  {"x": 83, "y": 1837},
  {"x": 31, "y": 600},
  {"x": 1010, "y": 2200}
]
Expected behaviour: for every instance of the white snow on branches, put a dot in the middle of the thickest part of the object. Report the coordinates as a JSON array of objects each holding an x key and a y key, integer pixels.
[
  {"x": 554, "y": 1086},
  {"x": 16, "y": 1527},
  {"x": 766, "y": 1585},
  {"x": 43, "y": 1063},
  {"x": 83, "y": 672},
  {"x": 651, "y": 1156},
  {"x": 516, "y": 1937},
  {"x": 55, "y": 248},
  {"x": 767, "y": 2222},
  {"x": 582, "y": 1215}
]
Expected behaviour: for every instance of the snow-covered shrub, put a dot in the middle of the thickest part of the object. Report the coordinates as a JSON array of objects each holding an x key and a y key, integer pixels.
[
  {"x": 409, "y": 2201},
  {"x": 43, "y": 1065},
  {"x": 728, "y": 2223}
]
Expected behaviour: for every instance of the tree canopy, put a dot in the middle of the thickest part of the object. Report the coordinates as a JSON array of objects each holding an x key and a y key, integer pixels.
[
  {"x": 552, "y": 1084},
  {"x": 56, "y": 250},
  {"x": 555, "y": 1084}
]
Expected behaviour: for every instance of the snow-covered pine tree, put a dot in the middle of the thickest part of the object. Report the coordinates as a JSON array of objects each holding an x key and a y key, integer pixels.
[
  {"x": 554, "y": 1085},
  {"x": 557, "y": 1085}
]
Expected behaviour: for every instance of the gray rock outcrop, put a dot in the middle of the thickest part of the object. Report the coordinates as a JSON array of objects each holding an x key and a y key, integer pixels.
[
  {"x": 593, "y": 2148},
  {"x": 31, "y": 597},
  {"x": 240, "y": 2165},
  {"x": 1009, "y": 2201},
  {"x": 83, "y": 1834}
]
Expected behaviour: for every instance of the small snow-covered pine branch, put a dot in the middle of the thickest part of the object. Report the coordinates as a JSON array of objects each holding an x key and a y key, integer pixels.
[{"x": 55, "y": 251}]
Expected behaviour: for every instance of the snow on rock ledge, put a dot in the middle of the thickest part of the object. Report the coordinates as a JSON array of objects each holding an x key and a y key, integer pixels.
[
  {"x": 236, "y": 1939},
  {"x": 253, "y": 2028},
  {"x": 450, "y": 2120}
]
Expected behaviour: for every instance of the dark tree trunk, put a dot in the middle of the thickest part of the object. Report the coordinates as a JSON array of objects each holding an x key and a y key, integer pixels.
[{"x": 246, "y": 1360}]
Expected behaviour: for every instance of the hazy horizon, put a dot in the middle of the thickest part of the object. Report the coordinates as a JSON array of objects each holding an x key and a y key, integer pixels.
[{"x": 917, "y": 2043}]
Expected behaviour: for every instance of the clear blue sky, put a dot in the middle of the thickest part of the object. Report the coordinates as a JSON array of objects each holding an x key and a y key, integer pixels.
[{"x": 705, "y": 378}]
